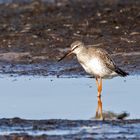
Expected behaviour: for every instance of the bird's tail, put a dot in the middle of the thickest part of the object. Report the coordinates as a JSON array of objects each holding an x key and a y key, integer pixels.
[{"x": 121, "y": 72}]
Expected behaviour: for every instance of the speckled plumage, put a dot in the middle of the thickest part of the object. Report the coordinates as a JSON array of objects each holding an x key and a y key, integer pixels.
[{"x": 96, "y": 61}]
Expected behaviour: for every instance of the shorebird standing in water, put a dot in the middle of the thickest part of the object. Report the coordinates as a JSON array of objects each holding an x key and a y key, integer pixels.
[{"x": 96, "y": 62}]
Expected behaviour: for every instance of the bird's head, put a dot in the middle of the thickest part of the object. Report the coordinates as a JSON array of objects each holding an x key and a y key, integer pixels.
[{"x": 75, "y": 48}]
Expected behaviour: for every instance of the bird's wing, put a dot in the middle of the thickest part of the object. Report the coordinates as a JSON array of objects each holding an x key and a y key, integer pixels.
[{"x": 106, "y": 58}]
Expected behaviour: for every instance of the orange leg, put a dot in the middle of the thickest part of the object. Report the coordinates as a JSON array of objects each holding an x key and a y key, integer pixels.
[
  {"x": 99, "y": 86},
  {"x": 99, "y": 113},
  {"x": 100, "y": 107}
]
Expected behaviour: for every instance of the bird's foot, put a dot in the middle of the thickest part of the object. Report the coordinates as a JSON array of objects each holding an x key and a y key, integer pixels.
[{"x": 101, "y": 118}]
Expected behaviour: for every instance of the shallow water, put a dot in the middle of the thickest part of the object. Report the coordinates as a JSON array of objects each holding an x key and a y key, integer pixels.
[{"x": 66, "y": 98}]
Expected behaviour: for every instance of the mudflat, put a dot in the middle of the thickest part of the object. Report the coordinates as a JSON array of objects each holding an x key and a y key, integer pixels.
[{"x": 34, "y": 35}]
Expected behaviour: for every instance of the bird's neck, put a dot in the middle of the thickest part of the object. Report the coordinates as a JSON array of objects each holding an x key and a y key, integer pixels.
[
  {"x": 80, "y": 51},
  {"x": 82, "y": 54}
]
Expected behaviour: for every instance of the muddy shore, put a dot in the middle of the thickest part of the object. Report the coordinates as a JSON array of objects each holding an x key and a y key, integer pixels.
[
  {"x": 34, "y": 35},
  {"x": 18, "y": 129}
]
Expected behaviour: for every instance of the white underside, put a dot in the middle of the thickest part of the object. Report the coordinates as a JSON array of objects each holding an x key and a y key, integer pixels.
[{"x": 97, "y": 68}]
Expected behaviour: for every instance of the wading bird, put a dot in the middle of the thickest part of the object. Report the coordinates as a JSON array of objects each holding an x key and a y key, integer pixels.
[{"x": 96, "y": 62}]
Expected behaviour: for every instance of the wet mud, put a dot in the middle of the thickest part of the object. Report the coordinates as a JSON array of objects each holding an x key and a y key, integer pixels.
[
  {"x": 18, "y": 129},
  {"x": 35, "y": 34}
]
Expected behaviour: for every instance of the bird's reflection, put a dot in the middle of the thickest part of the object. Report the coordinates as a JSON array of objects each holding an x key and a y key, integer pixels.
[
  {"x": 107, "y": 114},
  {"x": 99, "y": 112}
]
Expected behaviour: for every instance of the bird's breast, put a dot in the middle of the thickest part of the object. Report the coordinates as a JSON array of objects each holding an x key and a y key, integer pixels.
[{"x": 94, "y": 67}]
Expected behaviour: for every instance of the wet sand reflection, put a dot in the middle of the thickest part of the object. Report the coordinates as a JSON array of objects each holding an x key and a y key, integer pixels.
[
  {"x": 99, "y": 112},
  {"x": 102, "y": 115}
]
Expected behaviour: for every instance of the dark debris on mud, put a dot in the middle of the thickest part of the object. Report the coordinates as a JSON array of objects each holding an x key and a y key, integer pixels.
[
  {"x": 68, "y": 129},
  {"x": 35, "y": 34}
]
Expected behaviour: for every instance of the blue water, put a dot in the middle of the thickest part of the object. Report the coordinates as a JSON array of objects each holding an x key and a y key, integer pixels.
[{"x": 66, "y": 98}]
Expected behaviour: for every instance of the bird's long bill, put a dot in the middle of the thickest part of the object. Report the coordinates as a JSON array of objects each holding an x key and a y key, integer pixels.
[{"x": 68, "y": 53}]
